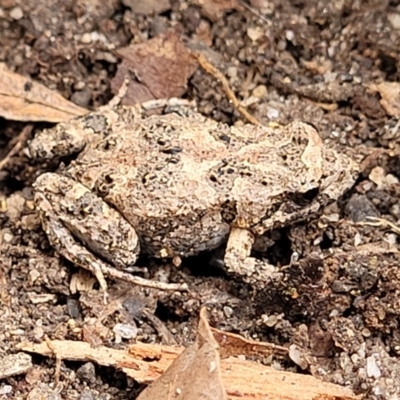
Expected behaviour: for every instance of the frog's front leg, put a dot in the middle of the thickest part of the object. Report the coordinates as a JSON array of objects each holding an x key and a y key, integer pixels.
[
  {"x": 83, "y": 228},
  {"x": 238, "y": 261}
]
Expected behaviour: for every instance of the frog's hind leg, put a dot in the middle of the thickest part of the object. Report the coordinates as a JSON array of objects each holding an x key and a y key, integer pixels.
[
  {"x": 238, "y": 261},
  {"x": 88, "y": 232},
  {"x": 66, "y": 245}
]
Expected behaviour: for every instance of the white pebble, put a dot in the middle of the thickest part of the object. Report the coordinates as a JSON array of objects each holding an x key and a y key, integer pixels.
[
  {"x": 16, "y": 13},
  {"x": 125, "y": 331},
  {"x": 373, "y": 370}
]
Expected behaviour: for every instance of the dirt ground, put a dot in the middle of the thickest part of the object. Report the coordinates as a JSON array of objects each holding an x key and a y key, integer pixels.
[{"x": 334, "y": 64}]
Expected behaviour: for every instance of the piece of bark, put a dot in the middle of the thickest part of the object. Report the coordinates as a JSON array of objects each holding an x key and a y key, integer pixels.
[{"x": 22, "y": 99}]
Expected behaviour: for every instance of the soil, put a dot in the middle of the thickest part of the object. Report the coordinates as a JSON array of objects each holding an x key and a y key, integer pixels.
[{"x": 318, "y": 61}]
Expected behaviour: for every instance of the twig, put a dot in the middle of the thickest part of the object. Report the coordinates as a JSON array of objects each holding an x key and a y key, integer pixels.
[
  {"x": 210, "y": 69},
  {"x": 20, "y": 142},
  {"x": 381, "y": 222}
]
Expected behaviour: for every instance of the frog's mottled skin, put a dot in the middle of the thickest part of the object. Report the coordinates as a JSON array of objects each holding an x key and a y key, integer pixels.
[{"x": 179, "y": 185}]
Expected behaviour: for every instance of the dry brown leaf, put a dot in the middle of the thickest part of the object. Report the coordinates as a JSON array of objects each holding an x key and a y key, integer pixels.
[
  {"x": 147, "y": 7},
  {"x": 161, "y": 65},
  {"x": 22, "y": 99},
  {"x": 195, "y": 374},
  {"x": 390, "y": 93},
  {"x": 215, "y": 9}
]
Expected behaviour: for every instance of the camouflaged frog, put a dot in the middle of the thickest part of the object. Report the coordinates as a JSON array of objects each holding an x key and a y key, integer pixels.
[{"x": 175, "y": 185}]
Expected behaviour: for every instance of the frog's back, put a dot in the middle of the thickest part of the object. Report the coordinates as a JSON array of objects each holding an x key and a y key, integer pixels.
[
  {"x": 182, "y": 181},
  {"x": 156, "y": 174}
]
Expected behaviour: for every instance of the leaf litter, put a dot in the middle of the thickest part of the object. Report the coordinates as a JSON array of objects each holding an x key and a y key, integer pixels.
[{"x": 216, "y": 366}]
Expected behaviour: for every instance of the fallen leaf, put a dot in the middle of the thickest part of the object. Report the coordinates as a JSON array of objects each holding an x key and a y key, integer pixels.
[
  {"x": 161, "y": 65},
  {"x": 147, "y": 7},
  {"x": 195, "y": 374},
  {"x": 22, "y": 99},
  {"x": 390, "y": 93}
]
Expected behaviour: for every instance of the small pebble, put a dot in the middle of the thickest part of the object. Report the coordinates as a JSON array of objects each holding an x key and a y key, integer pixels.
[
  {"x": 260, "y": 91},
  {"x": 87, "y": 372},
  {"x": 228, "y": 311},
  {"x": 16, "y": 13},
  {"x": 87, "y": 395},
  {"x": 6, "y": 389},
  {"x": 272, "y": 320},
  {"x": 255, "y": 33},
  {"x": 82, "y": 97},
  {"x": 125, "y": 331},
  {"x": 272, "y": 113},
  {"x": 394, "y": 19},
  {"x": 38, "y": 333},
  {"x": 7, "y": 237},
  {"x": 289, "y": 35},
  {"x": 86, "y": 38},
  {"x": 373, "y": 370}
]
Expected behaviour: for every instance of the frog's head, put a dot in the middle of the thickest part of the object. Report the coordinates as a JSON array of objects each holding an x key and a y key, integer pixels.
[{"x": 303, "y": 176}]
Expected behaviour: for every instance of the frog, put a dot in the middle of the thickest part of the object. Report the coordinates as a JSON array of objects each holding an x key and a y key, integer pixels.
[{"x": 176, "y": 184}]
